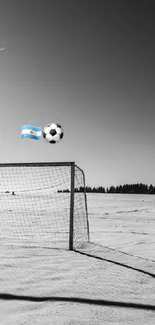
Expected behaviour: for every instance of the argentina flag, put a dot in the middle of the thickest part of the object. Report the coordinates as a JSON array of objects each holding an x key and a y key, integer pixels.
[{"x": 31, "y": 132}]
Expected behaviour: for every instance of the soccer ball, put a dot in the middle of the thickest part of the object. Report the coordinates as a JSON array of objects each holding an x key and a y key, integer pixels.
[{"x": 52, "y": 132}]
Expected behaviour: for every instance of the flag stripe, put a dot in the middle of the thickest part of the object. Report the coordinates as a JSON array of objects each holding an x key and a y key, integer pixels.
[
  {"x": 28, "y": 131},
  {"x": 29, "y": 127},
  {"x": 31, "y": 136}
]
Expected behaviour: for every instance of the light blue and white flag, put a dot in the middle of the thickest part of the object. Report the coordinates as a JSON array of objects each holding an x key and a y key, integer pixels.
[{"x": 31, "y": 132}]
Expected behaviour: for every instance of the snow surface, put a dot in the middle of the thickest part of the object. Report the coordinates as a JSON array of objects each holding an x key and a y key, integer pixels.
[{"x": 123, "y": 222}]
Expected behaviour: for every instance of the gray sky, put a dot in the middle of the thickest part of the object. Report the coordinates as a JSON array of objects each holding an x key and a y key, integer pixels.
[{"x": 90, "y": 66}]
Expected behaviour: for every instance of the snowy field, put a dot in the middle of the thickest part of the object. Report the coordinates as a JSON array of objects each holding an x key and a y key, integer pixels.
[{"x": 122, "y": 222}]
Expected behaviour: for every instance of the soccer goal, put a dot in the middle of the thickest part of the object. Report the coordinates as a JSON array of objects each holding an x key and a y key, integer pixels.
[{"x": 43, "y": 204}]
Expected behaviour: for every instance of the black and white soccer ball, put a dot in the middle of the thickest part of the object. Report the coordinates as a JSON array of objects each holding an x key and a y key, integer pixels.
[{"x": 53, "y": 132}]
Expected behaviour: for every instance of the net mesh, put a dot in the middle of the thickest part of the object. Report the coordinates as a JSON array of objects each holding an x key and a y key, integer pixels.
[{"x": 35, "y": 206}]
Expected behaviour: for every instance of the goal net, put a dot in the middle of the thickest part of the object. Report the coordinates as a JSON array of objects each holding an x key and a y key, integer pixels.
[{"x": 41, "y": 205}]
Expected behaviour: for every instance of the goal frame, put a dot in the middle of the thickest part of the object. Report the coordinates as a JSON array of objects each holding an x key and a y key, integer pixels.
[{"x": 72, "y": 187}]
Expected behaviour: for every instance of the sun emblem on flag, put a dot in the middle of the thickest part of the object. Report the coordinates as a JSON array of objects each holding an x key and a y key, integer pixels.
[{"x": 31, "y": 132}]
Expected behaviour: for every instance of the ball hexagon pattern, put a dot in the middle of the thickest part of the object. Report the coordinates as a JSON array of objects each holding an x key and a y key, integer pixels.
[{"x": 53, "y": 133}]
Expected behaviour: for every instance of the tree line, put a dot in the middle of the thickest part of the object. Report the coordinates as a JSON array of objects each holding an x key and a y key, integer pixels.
[{"x": 138, "y": 188}]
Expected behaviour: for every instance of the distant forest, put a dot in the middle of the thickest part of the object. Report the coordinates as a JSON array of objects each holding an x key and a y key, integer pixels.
[{"x": 138, "y": 188}]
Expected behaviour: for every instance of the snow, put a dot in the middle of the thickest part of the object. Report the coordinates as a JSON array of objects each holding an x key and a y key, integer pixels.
[{"x": 122, "y": 222}]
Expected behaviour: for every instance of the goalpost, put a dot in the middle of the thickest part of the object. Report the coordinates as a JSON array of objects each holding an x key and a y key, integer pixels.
[{"x": 43, "y": 204}]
